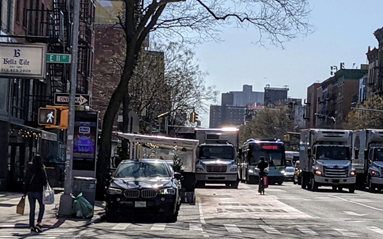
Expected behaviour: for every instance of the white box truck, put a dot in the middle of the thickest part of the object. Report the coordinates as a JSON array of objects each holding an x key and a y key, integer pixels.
[
  {"x": 325, "y": 159},
  {"x": 367, "y": 157},
  {"x": 216, "y": 156}
]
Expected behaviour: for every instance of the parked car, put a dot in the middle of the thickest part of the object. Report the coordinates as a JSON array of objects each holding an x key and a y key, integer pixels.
[
  {"x": 143, "y": 187},
  {"x": 289, "y": 174},
  {"x": 297, "y": 173}
]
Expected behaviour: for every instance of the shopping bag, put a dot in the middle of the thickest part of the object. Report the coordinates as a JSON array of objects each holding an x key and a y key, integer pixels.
[
  {"x": 48, "y": 195},
  {"x": 81, "y": 207},
  {"x": 265, "y": 182},
  {"x": 21, "y": 206}
]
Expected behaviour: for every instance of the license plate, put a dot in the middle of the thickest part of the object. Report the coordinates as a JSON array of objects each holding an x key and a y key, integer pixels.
[{"x": 139, "y": 204}]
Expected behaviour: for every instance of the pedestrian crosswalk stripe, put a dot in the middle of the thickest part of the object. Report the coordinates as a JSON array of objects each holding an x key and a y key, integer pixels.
[
  {"x": 158, "y": 227},
  {"x": 376, "y": 229},
  {"x": 345, "y": 232},
  {"x": 307, "y": 231},
  {"x": 270, "y": 230},
  {"x": 232, "y": 228},
  {"x": 121, "y": 226},
  {"x": 195, "y": 227}
]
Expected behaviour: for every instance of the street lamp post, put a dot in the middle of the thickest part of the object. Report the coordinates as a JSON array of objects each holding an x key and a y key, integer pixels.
[{"x": 65, "y": 208}]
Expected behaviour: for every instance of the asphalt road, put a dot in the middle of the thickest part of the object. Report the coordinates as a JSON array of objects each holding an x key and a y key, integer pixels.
[{"x": 286, "y": 211}]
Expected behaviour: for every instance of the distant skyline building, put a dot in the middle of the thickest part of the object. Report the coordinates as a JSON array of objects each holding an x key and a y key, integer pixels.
[
  {"x": 273, "y": 95},
  {"x": 232, "y": 110},
  {"x": 243, "y": 98}
]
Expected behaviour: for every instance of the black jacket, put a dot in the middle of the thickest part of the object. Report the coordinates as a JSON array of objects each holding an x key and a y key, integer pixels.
[{"x": 35, "y": 180}]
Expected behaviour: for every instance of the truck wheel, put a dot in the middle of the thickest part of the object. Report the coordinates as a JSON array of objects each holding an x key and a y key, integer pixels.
[
  {"x": 235, "y": 184},
  {"x": 314, "y": 185},
  {"x": 371, "y": 186},
  {"x": 334, "y": 188},
  {"x": 351, "y": 189}
]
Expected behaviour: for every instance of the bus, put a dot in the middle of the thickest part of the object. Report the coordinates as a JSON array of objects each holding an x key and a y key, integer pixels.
[{"x": 249, "y": 157}]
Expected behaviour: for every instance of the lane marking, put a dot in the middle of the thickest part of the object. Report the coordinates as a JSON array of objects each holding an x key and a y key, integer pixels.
[
  {"x": 201, "y": 217},
  {"x": 121, "y": 226},
  {"x": 345, "y": 232},
  {"x": 270, "y": 230},
  {"x": 360, "y": 204},
  {"x": 307, "y": 231},
  {"x": 195, "y": 227},
  {"x": 158, "y": 227},
  {"x": 354, "y": 214},
  {"x": 376, "y": 229},
  {"x": 232, "y": 228}
]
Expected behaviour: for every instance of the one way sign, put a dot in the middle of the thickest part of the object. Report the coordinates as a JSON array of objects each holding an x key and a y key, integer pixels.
[{"x": 63, "y": 99}]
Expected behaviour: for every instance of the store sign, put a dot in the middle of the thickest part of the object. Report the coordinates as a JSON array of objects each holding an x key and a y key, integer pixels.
[{"x": 24, "y": 61}]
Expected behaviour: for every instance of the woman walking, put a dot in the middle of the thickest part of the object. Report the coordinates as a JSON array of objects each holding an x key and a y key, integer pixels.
[{"x": 35, "y": 180}]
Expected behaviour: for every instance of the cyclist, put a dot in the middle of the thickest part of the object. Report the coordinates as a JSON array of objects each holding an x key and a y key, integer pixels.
[{"x": 262, "y": 166}]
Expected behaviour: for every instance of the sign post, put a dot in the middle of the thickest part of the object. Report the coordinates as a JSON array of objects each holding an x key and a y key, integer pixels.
[
  {"x": 58, "y": 58},
  {"x": 63, "y": 99}
]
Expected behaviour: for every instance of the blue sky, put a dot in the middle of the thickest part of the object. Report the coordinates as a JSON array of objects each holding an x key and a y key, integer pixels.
[{"x": 343, "y": 31}]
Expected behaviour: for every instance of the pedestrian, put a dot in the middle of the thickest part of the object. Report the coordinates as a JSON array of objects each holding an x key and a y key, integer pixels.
[{"x": 35, "y": 180}]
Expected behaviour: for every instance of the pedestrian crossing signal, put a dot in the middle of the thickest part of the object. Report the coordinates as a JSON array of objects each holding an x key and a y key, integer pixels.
[{"x": 47, "y": 116}]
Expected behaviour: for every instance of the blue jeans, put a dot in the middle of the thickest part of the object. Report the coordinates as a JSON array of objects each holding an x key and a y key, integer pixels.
[{"x": 32, "y": 197}]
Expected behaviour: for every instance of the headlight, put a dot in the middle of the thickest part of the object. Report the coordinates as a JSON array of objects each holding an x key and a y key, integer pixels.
[
  {"x": 375, "y": 173},
  {"x": 352, "y": 173},
  {"x": 114, "y": 191},
  {"x": 250, "y": 171},
  {"x": 234, "y": 169},
  {"x": 199, "y": 169},
  {"x": 318, "y": 172},
  {"x": 168, "y": 191},
  {"x": 282, "y": 171}
]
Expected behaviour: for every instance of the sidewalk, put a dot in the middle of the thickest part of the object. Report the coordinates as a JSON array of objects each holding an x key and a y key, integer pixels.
[{"x": 9, "y": 218}]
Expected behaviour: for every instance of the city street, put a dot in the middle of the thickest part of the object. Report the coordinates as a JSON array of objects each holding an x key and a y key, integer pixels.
[{"x": 285, "y": 211}]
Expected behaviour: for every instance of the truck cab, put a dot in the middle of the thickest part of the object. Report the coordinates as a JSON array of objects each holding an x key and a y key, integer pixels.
[{"x": 325, "y": 159}]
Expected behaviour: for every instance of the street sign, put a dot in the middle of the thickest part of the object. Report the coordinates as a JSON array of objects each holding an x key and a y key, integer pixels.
[
  {"x": 58, "y": 58},
  {"x": 46, "y": 116},
  {"x": 63, "y": 99}
]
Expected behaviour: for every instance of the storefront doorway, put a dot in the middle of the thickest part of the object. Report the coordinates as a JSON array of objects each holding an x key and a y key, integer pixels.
[{"x": 16, "y": 165}]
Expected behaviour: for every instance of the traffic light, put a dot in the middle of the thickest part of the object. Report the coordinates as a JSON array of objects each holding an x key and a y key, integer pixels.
[
  {"x": 47, "y": 116},
  {"x": 286, "y": 137},
  {"x": 192, "y": 117},
  {"x": 61, "y": 117},
  {"x": 195, "y": 117}
]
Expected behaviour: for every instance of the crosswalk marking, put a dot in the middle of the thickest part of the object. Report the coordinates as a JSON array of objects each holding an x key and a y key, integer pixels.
[
  {"x": 195, "y": 227},
  {"x": 376, "y": 229},
  {"x": 345, "y": 232},
  {"x": 307, "y": 231},
  {"x": 158, "y": 227},
  {"x": 270, "y": 230},
  {"x": 232, "y": 228},
  {"x": 121, "y": 226}
]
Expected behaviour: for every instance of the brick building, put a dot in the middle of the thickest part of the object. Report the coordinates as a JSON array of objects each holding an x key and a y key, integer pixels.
[{"x": 45, "y": 23}]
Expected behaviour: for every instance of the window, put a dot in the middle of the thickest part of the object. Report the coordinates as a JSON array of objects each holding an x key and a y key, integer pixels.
[
  {"x": 17, "y": 10},
  {"x": 19, "y": 91}
]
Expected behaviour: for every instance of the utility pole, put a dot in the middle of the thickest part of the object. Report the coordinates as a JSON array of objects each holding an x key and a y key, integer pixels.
[{"x": 65, "y": 209}]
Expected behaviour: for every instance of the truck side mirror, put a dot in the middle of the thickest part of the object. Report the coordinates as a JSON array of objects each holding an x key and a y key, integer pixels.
[
  {"x": 356, "y": 152},
  {"x": 365, "y": 153}
]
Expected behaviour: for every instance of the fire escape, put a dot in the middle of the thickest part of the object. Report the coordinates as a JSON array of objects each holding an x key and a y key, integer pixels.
[{"x": 54, "y": 27}]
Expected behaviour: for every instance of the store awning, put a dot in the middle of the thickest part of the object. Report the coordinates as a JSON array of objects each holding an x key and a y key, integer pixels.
[{"x": 42, "y": 133}]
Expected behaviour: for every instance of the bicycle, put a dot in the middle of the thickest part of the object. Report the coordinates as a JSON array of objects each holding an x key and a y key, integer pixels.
[{"x": 261, "y": 186}]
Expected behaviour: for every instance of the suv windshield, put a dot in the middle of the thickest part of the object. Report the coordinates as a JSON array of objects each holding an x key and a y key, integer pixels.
[{"x": 142, "y": 169}]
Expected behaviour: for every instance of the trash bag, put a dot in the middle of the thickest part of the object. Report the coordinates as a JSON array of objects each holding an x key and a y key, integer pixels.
[{"x": 81, "y": 207}]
